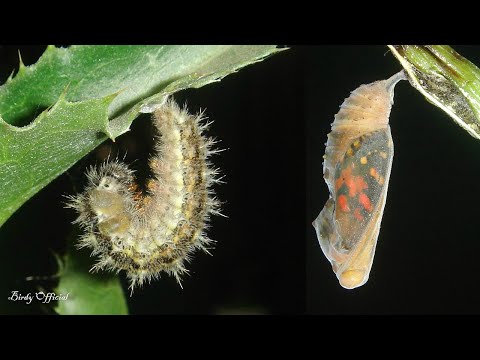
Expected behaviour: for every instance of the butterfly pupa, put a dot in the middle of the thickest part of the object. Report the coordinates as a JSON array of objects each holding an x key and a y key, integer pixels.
[{"x": 357, "y": 163}]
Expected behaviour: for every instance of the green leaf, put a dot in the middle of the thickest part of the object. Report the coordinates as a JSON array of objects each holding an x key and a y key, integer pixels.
[
  {"x": 88, "y": 294},
  {"x": 32, "y": 156},
  {"x": 446, "y": 79},
  {"x": 95, "y": 92}
]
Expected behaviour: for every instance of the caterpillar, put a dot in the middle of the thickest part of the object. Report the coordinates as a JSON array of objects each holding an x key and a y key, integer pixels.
[
  {"x": 357, "y": 164},
  {"x": 147, "y": 234}
]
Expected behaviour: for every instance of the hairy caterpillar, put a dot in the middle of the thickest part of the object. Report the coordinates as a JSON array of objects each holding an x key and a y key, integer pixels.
[
  {"x": 357, "y": 163},
  {"x": 145, "y": 234}
]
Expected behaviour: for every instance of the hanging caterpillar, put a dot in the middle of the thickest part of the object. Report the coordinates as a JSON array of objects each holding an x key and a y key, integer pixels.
[
  {"x": 147, "y": 234},
  {"x": 357, "y": 163}
]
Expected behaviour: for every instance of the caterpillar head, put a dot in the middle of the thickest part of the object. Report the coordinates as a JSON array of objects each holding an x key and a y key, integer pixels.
[
  {"x": 112, "y": 176},
  {"x": 106, "y": 198},
  {"x": 110, "y": 184},
  {"x": 106, "y": 189}
]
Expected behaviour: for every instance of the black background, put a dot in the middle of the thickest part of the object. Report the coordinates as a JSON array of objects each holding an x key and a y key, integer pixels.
[{"x": 273, "y": 118}]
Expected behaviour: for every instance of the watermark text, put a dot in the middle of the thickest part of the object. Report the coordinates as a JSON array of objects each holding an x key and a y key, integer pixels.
[{"x": 45, "y": 298}]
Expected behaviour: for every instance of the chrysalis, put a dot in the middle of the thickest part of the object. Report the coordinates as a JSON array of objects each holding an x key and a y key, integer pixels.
[{"x": 358, "y": 160}]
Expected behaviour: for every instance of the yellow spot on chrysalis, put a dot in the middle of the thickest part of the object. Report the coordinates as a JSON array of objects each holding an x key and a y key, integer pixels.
[
  {"x": 363, "y": 160},
  {"x": 350, "y": 152},
  {"x": 374, "y": 173},
  {"x": 356, "y": 143},
  {"x": 383, "y": 154}
]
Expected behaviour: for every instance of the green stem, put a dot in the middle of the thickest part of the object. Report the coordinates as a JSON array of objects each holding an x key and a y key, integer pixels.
[{"x": 446, "y": 79}]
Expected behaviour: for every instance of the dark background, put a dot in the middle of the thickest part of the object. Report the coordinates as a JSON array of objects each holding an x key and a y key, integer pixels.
[{"x": 273, "y": 118}]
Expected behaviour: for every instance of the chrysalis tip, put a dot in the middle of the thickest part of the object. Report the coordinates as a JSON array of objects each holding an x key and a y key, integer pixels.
[{"x": 352, "y": 279}]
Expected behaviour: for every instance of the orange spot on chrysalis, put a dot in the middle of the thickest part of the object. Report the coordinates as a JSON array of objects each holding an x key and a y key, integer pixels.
[
  {"x": 343, "y": 203},
  {"x": 365, "y": 202},
  {"x": 360, "y": 183},
  {"x": 355, "y": 185}
]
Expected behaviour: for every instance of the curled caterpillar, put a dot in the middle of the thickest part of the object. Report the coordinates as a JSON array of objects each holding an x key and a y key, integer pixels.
[
  {"x": 358, "y": 160},
  {"x": 146, "y": 234}
]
